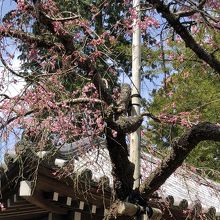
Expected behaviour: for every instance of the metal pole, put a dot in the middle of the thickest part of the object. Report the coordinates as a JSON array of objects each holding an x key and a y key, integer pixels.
[{"x": 136, "y": 65}]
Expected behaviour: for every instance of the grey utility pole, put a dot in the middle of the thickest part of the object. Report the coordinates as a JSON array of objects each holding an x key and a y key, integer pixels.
[{"x": 136, "y": 65}]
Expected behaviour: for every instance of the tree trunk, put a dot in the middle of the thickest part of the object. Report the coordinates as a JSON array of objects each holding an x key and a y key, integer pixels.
[{"x": 122, "y": 168}]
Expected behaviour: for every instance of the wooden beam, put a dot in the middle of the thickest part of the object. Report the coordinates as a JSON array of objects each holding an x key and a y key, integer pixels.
[
  {"x": 9, "y": 212},
  {"x": 20, "y": 208},
  {"x": 93, "y": 209},
  {"x": 8, "y": 202},
  {"x": 128, "y": 209},
  {"x": 18, "y": 203},
  {"x": 68, "y": 201},
  {"x": 15, "y": 198},
  {"x": 25, "y": 188},
  {"x": 55, "y": 196},
  {"x": 81, "y": 205},
  {"x": 52, "y": 216},
  {"x": 38, "y": 200},
  {"x": 77, "y": 216},
  {"x": 21, "y": 216},
  {"x": 60, "y": 162},
  {"x": 49, "y": 184}
]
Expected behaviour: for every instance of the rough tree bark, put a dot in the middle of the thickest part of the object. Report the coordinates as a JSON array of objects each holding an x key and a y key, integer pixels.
[{"x": 180, "y": 150}]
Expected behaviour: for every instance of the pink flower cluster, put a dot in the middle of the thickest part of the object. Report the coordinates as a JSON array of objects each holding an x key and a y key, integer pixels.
[
  {"x": 181, "y": 118},
  {"x": 58, "y": 28},
  {"x": 89, "y": 90},
  {"x": 148, "y": 22},
  {"x": 97, "y": 42},
  {"x": 50, "y": 7},
  {"x": 2, "y": 207},
  {"x": 214, "y": 4},
  {"x": 21, "y": 5}
]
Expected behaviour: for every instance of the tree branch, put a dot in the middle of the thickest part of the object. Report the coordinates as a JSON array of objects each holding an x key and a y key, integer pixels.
[
  {"x": 30, "y": 38},
  {"x": 191, "y": 12},
  {"x": 80, "y": 100},
  {"x": 67, "y": 102},
  {"x": 96, "y": 78},
  {"x": 185, "y": 35},
  {"x": 5, "y": 97},
  {"x": 124, "y": 98},
  {"x": 8, "y": 68},
  {"x": 10, "y": 120},
  {"x": 180, "y": 150},
  {"x": 61, "y": 19},
  {"x": 87, "y": 65},
  {"x": 65, "y": 38},
  {"x": 150, "y": 115},
  {"x": 129, "y": 124}
]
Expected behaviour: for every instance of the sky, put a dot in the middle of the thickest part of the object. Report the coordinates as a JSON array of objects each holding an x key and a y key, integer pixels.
[
  {"x": 10, "y": 89},
  {"x": 5, "y": 6}
]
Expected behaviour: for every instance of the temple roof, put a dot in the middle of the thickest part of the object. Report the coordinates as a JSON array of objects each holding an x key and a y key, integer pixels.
[{"x": 183, "y": 189}]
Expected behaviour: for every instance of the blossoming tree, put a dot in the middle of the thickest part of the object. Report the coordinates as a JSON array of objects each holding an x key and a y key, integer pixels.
[{"x": 72, "y": 55}]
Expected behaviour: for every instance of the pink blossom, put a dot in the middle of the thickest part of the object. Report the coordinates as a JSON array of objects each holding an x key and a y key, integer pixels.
[
  {"x": 114, "y": 133},
  {"x": 97, "y": 42},
  {"x": 2, "y": 207},
  {"x": 21, "y": 5},
  {"x": 174, "y": 105},
  {"x": 170, "y": 94}
]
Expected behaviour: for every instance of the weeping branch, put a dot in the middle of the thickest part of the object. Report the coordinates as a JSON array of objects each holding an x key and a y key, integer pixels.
[
  {"x": 8, "y": 68},
  {"x": 71, "y": 18},
  {"x": 87, "y": 66},
  {"x": 180, "y": 150},
  {"x": 10, "y": 120},
  {"x": 59, "y": 104},
  {"x": 196, "y": 8},
  {"x": 25, "y": 37}
]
